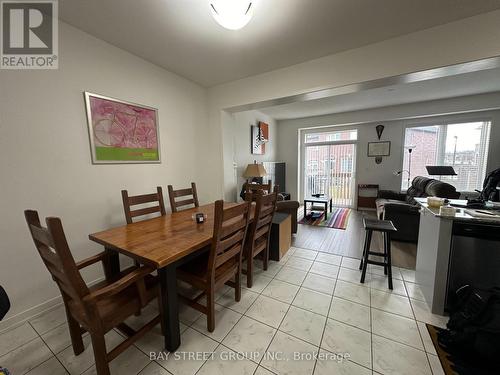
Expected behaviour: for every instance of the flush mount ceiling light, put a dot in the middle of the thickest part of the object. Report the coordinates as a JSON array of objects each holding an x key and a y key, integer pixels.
[{"x": 232, "y": 14}]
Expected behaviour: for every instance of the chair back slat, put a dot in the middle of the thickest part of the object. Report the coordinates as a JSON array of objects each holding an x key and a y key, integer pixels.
[
  {"x": 267, "y": 211},
  {"x": 176, "y": 204},
  {"x": 230, "y": 213},
  {"x": 185, "y": 202},
  {"x": 230, "y": 227},
  {"x": 260, "y": 229},
  {"x": 141, "y": 199},
  {"x": 230, "y": 241},
  {"x": 227, "y": 255},
  {"x": 251, "y": 189},
  {"x": 145, "y": 211},
  {"x": 53, "y": 249},
  {"x": 41, "y": 235},
  {"x": 50, "y": 257},
  {"x": 182, "y": 192},
  {"x": 130, "y": 201}
]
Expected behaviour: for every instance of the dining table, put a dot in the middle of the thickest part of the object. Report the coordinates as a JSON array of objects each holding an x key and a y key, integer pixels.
[{"x": 163, "y": 242}]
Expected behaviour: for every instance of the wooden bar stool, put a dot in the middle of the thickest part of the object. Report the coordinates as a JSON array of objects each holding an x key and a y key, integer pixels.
[{"x": 386, "y": 227}]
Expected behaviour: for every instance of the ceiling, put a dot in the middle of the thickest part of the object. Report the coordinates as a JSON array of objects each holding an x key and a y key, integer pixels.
[
  {"x": 453, "y": 86},
  {"x": 181, "y": 36}
]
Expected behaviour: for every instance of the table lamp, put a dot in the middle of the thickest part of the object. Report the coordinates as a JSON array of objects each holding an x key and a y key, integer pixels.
[{"x": 254, "y": 171}]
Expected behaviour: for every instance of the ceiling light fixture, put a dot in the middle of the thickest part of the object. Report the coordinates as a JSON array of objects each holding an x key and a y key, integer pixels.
[{"x": 232, "y": 14}]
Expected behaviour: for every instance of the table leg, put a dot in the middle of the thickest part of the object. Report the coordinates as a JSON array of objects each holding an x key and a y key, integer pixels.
[
  {"x": 326, "y": 211},
  {"x": 111, "y": 264},
  {"x": 331, "y": 205},
  {"x": 170, "y": 304},
  {"x": 305, "y": 209}
]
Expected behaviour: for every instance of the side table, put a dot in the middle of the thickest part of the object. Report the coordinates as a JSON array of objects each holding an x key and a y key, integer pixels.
[{"x": 281, "y": 235}]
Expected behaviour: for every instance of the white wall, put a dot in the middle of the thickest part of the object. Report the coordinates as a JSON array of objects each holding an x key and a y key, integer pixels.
[
  {"x": 45, "y": 155},
  {"x": 438, "y": 46},
  {"x": 395, "y": 119},
  {"x": 239, "y": 155}
]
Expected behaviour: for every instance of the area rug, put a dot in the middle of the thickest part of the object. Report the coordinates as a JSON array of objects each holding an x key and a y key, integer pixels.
[
  {"x": 337, "y": 219},
  {"x": 454, "y": 363}
]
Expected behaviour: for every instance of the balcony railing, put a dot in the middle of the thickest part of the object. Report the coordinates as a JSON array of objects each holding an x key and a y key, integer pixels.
[{"x": 339, "y": 187}]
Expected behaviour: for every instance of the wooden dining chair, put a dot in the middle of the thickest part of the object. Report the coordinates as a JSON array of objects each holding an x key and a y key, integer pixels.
[
  {"x": 139, "y": 200},
  {"x": 129, "y": 202},
  {"x": 97, "y": 309},
  {"x": 222, "y": 264},
  {"x": 173, "y": 194},
  {"x": 259, "y": 232},
  {"x": 251, "y": 189}
]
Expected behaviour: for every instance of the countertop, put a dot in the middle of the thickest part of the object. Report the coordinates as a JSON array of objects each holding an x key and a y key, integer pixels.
[{"x": 460, "y": 215}]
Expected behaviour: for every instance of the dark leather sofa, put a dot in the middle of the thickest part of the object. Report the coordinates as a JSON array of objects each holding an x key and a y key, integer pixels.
[{"x": 403, "y": 210}]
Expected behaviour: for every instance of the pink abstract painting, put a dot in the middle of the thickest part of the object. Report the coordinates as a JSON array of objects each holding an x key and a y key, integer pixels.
[{"x": 122, "y": 131}]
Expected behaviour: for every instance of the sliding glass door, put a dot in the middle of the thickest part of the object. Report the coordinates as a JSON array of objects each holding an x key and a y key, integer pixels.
[{"x": 329, "y": 166}]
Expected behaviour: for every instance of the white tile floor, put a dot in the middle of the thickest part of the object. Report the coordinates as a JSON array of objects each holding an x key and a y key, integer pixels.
[{"x": 310, "y": 303}]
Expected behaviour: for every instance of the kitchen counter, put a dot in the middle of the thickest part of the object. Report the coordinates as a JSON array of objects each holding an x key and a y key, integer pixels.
[
  {"x": 461, "y": 214},
  {"x": 453, "y": 251}
]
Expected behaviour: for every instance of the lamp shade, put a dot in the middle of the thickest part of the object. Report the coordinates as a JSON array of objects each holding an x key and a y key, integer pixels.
[{"x": 254, "y": 170}]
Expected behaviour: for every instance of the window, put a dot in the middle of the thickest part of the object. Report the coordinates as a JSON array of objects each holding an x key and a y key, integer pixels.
[
  {"x": 346, "y": 164},
  {"x": 341, "y": 135},
  {"x": 464, "y": 146}
]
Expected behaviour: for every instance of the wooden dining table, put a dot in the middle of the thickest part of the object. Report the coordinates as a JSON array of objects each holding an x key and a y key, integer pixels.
[{"x": 165, "y": 243}]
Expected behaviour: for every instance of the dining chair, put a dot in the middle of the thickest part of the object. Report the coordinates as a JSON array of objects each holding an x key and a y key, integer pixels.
[
  {"x": 259, "y": 232},
  {"x": 250, "y": 189},
  {"x": 173, "y": 194},
  {"x": 222, "y": 263},
  {"x": 136, "y": 200},
  {"x": 101, "y": 307},
  {"x": 130, "y": 201}
]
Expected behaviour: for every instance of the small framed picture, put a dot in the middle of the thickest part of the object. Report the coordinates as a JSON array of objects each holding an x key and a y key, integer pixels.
[{"x": 379, "y": 148}]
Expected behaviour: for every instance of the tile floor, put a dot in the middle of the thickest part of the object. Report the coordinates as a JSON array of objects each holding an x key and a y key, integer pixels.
[{"x": 310, "y": 303}]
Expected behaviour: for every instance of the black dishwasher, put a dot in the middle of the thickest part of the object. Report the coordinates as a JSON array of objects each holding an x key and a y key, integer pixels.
[{"x": 474, "y": 257}]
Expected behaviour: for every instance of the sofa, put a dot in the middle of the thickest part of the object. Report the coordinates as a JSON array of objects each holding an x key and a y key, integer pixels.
[{"x": 402, "y": 209}]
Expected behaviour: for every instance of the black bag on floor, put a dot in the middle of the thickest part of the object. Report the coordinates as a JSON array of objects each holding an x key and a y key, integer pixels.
[
  {"x": 474, "y": 325},
  {"x": 4, "y": 303}
]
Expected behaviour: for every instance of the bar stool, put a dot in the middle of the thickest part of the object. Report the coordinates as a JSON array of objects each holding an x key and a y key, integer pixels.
[{"x": 386, "y": 227}]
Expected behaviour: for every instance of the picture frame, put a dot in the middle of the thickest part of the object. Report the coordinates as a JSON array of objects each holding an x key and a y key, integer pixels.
[
  {"x": 259, "y": 138},
  {"x": 121, "y": 132},
  {"x": 376, "y": 149}
]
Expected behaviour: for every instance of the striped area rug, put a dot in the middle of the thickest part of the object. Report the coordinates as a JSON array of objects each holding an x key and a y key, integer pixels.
[{"x": 337, "y": 219}]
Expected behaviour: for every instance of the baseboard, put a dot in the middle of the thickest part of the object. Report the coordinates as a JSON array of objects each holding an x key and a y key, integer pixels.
[
  {"x": 30, "y": 313},
  {"x": 35, "y": 311}
]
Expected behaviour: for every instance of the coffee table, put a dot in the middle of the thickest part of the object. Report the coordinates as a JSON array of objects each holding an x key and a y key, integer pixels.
[{"x": 323, "y": 200}]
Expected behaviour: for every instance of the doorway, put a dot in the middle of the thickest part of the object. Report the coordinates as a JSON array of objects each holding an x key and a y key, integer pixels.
[{"x": 330, "y": 165}]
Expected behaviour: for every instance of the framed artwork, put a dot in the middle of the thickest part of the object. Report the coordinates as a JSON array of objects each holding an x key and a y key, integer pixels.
[
  {"x": 259, "y": 136},
  {"x": 379, "y": 148},
  {"x": 121, "y": 132}
]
